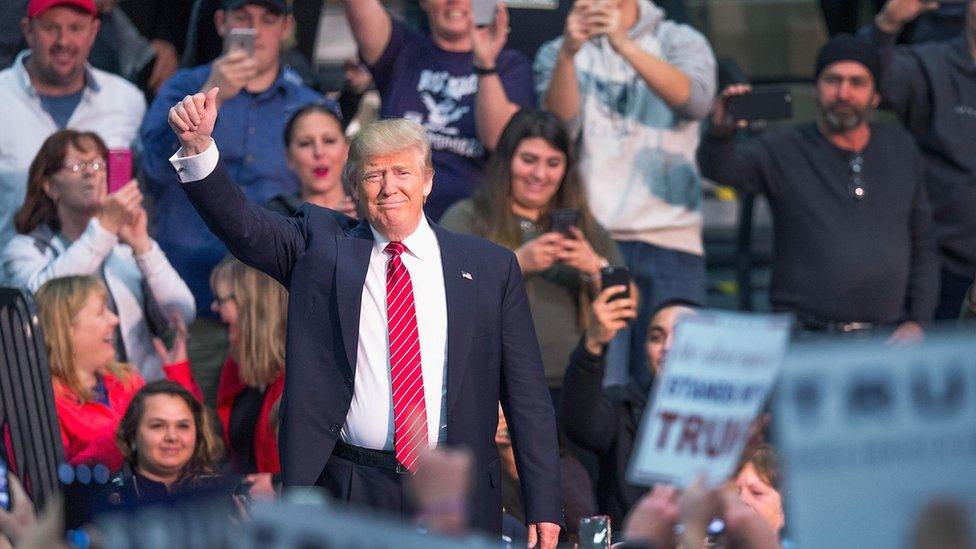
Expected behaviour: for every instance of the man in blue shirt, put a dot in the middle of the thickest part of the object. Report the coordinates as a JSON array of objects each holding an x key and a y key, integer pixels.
[{"x": 257, "y": 95}]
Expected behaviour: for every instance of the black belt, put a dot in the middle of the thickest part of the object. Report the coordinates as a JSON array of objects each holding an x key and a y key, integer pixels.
[
  {"x": 381, "y": 459},
  {"x": 814, "y": 324}
]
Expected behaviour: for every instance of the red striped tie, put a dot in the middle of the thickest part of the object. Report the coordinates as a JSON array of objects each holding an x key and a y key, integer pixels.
[{"x": 409, "y": 408}]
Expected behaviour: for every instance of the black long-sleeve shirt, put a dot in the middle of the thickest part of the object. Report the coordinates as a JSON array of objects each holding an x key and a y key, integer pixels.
[
  {"x": 836, "y": 257},
  {"x": 604, "y": 421}
]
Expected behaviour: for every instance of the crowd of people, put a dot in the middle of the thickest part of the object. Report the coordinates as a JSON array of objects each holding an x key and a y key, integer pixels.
[{"x": 201, "y": 306}]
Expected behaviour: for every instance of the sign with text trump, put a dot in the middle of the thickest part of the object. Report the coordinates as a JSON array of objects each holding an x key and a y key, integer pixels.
[
  {"x": 879, "y": 443},
  {"x": 718, "y": 375}
]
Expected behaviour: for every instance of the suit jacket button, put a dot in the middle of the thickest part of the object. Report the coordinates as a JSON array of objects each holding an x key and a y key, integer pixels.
[
  {"x": 348, "y": 382},
  {"x": 334, "y": 428}
]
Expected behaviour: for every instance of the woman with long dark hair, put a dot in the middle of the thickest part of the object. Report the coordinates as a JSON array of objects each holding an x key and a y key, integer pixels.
[{"x": 532, "y": 175}]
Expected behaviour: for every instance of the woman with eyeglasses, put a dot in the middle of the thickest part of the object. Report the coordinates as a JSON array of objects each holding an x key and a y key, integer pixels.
[
  {"x": 254, "y": 307},
  {"x": 70, "y": 225}
]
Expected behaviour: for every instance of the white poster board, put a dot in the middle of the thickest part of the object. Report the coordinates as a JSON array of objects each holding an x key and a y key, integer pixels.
[
  {"x": 873, "y": 437},
  {"x": 719, "y": 372}
]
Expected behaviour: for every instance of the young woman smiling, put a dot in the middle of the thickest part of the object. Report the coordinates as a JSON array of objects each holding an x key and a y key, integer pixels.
[{"x": 531, "y": 174}]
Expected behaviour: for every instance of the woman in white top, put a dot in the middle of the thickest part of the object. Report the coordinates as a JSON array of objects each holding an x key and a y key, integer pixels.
[{"x": 70, "y": 225}]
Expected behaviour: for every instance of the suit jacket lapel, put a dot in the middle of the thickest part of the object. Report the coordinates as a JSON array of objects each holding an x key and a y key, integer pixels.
[
  {"x": 460, "y": 293},
  {"x": 352, "y": 262}
]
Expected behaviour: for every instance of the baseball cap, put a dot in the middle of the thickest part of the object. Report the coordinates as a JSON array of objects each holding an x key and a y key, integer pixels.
[
  {"x": 37, "y": 7},
  {"x": 278, "y": 6}
]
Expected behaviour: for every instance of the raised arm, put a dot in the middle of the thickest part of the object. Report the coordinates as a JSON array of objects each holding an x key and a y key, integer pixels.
[
  {"x": 904, "y": 87},
  {"x": 722, "y": 159},
  {"x": 683, "y": 77},
  {"x": 559, "y": 86},
  {"x": 587, "y": 414},
  {"x": 493, "y": 108},
  {"x": 371, "y": 26},
  {"x": 260, "y": 238}
]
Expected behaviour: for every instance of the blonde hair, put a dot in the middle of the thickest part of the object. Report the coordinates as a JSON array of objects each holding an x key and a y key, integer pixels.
[
  {"x": 381, "y": 138},
  {"x": 59, "y": 301},
  {"x": 262, "y": 312}
]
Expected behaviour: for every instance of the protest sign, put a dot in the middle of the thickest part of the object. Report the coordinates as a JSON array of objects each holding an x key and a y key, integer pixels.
[
  {"x": 879, "y": 443},
  {"x": 718, "y": 374}
]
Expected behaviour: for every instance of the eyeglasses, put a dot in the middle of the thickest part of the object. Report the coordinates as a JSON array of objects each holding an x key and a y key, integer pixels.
[
  {"x": 856, "y": 184},
  {"x": 96, "y": 165}
]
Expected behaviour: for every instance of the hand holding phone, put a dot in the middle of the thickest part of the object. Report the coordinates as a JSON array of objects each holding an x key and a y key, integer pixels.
[
  {"x": 119, "y": 168},
  {"x": 562, "y": 219},
  {"x": 615, "y": 276},
  {"x": 240, "y": 39},
  {"x": 483, "y": 12},
  {"x": 594, "y": 532},
  {"x": 761, "y": 104}
]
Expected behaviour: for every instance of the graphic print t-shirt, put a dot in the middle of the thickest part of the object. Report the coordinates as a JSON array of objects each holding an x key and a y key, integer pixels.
[{"x": 436, "y": 88}]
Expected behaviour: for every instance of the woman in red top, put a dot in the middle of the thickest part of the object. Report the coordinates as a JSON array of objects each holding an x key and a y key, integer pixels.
[
  {"x": 91, "y": 389},
  {"x": 254, "y": 307}
]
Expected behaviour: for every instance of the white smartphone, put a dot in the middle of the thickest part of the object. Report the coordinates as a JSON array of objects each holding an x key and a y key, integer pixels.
[
  {"x": 483, "y": 12},
  {"x": 240, "y": 39}
]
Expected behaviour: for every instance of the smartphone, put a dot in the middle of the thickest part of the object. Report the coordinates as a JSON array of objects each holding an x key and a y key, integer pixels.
[
  {"x": 562, "y": 219},
  {"x": 594, "y": 532},
  {"x": 616, "y": 276},
  {"x": 240, "y": 39},
  {"x": 4, "y": 485},
  {"x": 119, "y": 168},
  {"x": 762, "y": 104},
  {"x": 483, "y": 12}
]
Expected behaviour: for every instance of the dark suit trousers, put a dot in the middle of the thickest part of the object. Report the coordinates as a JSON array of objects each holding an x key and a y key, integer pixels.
[{"x": 366, "y": 487}]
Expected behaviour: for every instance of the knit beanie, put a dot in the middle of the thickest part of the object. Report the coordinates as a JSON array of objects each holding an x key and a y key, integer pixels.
[{"x": 845, "y": 47}]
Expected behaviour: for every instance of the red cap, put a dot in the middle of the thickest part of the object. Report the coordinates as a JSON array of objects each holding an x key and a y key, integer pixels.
[{"x": 37, "y": 7}]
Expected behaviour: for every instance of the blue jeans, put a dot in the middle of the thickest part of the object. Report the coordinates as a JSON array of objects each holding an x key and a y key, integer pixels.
[{"x": 660, "y": 275}]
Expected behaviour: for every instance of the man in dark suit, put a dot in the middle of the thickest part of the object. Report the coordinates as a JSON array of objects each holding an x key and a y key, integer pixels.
[{"x": 401, "y": 335}]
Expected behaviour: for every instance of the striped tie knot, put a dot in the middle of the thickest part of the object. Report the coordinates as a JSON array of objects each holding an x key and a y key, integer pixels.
[{"x": 394, "y": 249}]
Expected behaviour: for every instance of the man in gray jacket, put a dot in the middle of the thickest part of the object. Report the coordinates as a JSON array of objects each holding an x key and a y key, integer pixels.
[{"x": 932, "y": 89}]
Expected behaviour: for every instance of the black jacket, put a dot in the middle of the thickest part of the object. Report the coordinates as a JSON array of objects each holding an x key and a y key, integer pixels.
[{"x": 604, "y": 421}]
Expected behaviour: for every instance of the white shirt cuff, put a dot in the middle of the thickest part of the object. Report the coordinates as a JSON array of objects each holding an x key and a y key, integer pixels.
[{"x": 196, "y": 167}]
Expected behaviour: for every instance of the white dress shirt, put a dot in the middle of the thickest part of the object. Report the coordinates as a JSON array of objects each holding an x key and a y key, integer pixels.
[
  {"x": 370, "y": 420},
  {"x": 369, "y": 423}
]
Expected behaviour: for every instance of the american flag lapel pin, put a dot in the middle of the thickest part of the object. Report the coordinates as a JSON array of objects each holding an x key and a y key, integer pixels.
[{"x": 466, "y": 275}]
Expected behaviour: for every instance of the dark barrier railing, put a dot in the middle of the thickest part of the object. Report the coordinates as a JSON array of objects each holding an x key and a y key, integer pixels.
[{"x": 27, "y": 414}]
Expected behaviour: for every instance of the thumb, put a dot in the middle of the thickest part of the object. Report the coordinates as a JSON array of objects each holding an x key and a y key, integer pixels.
[
  {"x": 533, "y": 536},
  {"x": 211, "y": 98}
]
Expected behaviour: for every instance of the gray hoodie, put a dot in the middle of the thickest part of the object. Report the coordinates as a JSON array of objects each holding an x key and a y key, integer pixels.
[
  {"x": 932, "y": 88},
  {"x": 637, "y": 154}
]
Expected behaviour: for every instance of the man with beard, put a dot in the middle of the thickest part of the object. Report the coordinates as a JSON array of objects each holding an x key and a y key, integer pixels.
[{"x": 854, "y": 248}]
